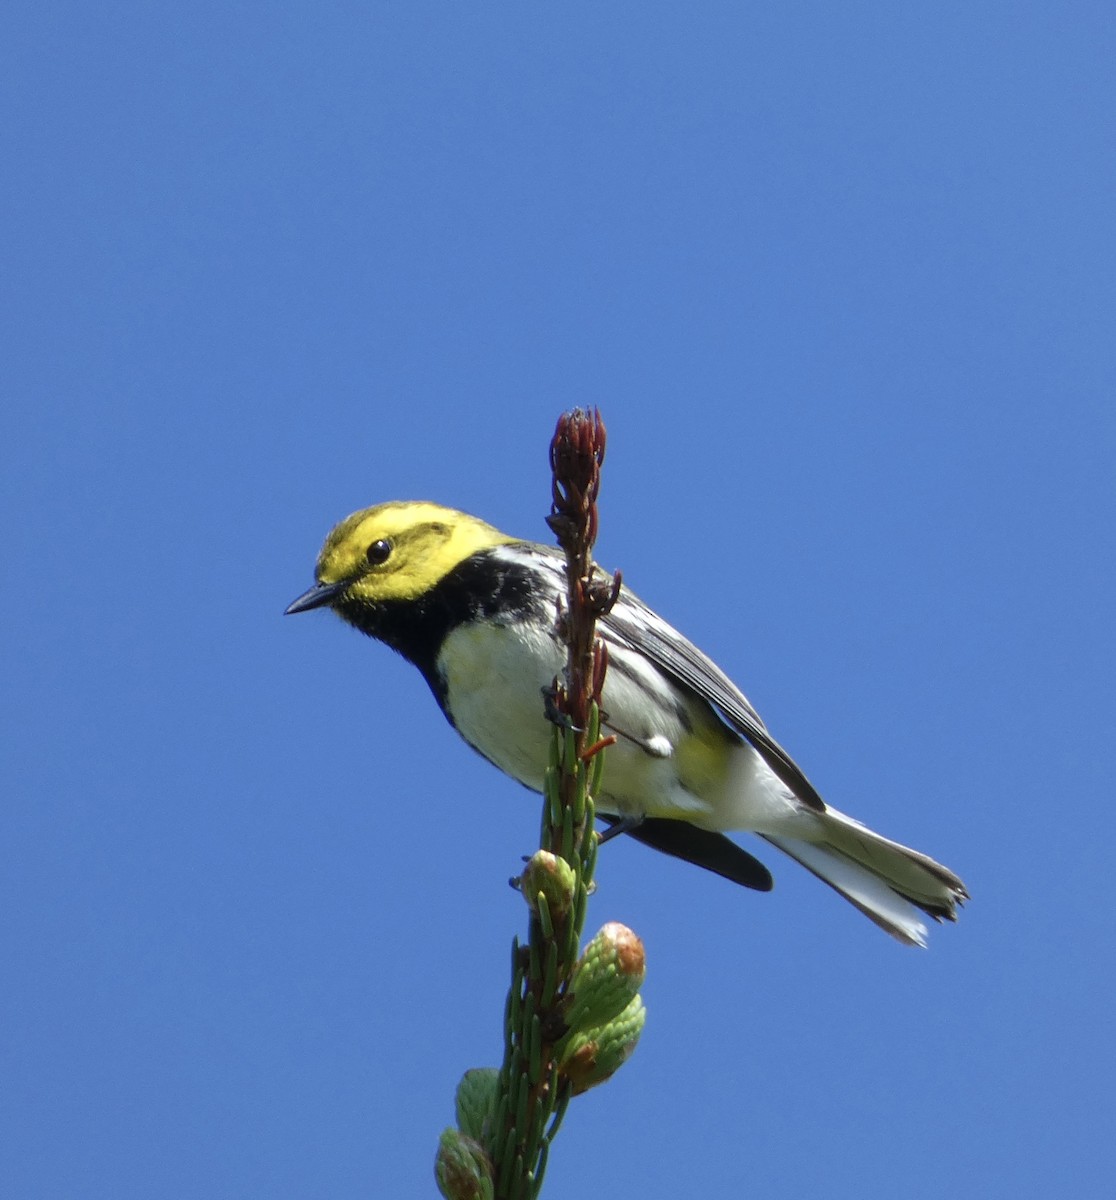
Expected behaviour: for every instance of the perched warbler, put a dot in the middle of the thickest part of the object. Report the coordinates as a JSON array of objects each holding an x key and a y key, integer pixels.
[{"x": 474, "y": 610}]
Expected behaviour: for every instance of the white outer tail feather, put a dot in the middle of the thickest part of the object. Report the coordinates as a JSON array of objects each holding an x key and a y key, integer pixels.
[{"x": 888, "y": 882}]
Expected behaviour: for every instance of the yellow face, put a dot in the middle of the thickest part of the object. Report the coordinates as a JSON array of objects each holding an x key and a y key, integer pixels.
[{"x": 400, "y": 550}]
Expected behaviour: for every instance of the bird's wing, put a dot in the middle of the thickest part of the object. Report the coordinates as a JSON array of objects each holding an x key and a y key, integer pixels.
[
  {"x": 632, "y": 624},
  {"x": 702, "y": 847}
]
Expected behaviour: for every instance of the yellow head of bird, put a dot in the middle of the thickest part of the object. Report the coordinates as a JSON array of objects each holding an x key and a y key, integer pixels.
[{"x": 394, "y": 551}]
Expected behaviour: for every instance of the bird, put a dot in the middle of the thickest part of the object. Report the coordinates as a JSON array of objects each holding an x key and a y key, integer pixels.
[{"x": 474, "y": 610}]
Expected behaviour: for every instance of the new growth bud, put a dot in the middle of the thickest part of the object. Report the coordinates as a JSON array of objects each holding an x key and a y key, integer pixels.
[
  {"x": 462, "y": 1168},
  {"x": 550, "y": 877},
  {"x": 476, "y": 1094},
  {"x": 607, "y": 977},
  {"x": 594, "y": 1055}
]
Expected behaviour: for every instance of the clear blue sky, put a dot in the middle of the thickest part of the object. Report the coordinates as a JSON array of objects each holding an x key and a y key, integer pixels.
[{"x": 841, "y": 278}]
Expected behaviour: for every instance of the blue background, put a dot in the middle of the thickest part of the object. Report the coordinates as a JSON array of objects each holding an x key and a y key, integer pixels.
[{"x": 841, "y": 279}]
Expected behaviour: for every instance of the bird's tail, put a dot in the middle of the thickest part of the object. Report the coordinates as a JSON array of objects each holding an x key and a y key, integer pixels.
[{"x": 888, "y": 882}]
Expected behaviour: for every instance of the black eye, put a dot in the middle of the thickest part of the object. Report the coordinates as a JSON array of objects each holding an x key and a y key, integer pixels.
[{"x": 378, "y": 552}]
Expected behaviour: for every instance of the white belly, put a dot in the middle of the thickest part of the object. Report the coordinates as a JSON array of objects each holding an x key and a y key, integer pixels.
[{"x": 496, "y": 677}]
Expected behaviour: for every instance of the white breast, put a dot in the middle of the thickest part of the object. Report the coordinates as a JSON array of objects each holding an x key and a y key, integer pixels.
[{"x": 495, "y": 678}]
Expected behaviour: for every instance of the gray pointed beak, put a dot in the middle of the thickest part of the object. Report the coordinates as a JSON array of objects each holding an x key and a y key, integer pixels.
[{"x": 320, "y": 594}]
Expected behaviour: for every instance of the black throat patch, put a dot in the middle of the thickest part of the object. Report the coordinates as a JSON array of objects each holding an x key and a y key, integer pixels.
[{"x": 487, "y": 586}]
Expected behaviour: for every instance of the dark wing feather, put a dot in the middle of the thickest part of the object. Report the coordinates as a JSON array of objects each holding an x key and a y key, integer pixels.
[
  {"x": 703, "y": 848},
  {"x": 632, "y": 624}
]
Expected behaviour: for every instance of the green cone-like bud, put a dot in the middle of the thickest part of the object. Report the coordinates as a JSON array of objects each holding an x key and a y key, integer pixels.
[
  {"x": 607, "y": 976},
  {"x": 594, "y": 1055},
  {"x": 476, "y": 1094},
  {"x": 552, "y": 877},
  {"x": 462, "y": 1169}
]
